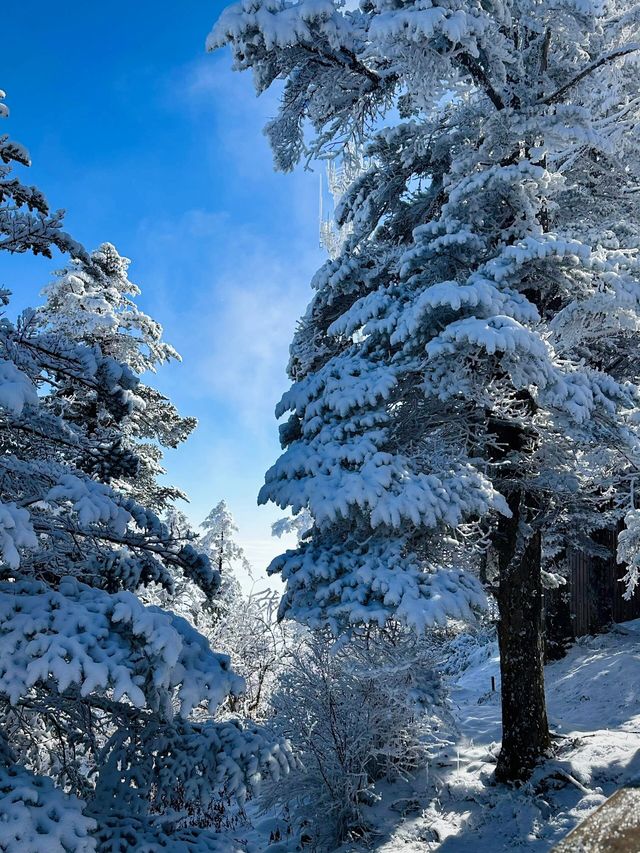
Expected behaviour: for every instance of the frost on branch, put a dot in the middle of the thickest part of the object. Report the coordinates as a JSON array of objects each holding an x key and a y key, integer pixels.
[
  {"x": 16, "y": 389},
  {"x": 16, "y": 532},
  {"x": 629, "y": 551}
]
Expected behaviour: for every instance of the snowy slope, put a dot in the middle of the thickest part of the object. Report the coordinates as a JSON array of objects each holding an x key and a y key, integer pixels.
[{"x": 594, "y": 708}]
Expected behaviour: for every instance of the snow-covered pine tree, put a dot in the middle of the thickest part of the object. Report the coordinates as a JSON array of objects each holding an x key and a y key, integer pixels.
[
  {"x": 92, "y": 302},
  {"x": 106, "y": 706},
  {"x": 26, "y": 224},
  {"x": 463, "y": 368},
  {"x": 219, "y": 543}
]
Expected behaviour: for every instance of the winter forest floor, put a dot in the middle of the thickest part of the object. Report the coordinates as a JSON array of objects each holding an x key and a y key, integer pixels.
[
  {"x": 594, "y": 710},
  {"x": 453, "y": 807}
]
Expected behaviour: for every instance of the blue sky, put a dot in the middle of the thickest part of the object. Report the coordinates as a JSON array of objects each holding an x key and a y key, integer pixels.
[{"x": 155, "y": 146}]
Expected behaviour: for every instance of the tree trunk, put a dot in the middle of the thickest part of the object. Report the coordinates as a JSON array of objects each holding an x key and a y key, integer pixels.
[
  {"x": 525, "y": 730},
  {"x": 602, "y": 585}
]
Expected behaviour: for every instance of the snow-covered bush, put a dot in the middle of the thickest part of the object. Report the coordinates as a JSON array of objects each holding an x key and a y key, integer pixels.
[
  {"x": 243, "y": 625},
  {"x": 355, "y": 713},
  {"x": 33, "y": 809},
  {"x": 466, "y": 649},
  {"x": 259, "y": 647}
]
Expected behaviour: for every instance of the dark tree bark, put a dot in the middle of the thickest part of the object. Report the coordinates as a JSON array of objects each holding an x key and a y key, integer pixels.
[{"x": 525, "y": 730}]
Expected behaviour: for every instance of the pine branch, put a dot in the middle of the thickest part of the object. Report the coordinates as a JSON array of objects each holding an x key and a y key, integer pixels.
[
  {"x": 479, "y": 75},
  {"x": 589, "y": 69}
]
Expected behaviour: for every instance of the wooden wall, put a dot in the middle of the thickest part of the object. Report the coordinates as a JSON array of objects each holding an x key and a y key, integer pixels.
[{"x": 595, "y": 592}]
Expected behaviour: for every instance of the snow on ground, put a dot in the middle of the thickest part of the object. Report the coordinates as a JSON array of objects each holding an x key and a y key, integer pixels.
[
  {"x": 594, "y": 710},
  {"x": 452, "y": 806}
]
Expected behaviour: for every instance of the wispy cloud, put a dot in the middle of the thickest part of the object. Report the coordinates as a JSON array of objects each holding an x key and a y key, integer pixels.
[
  {"x": 226, "y": 101},
  {"x": 230, "y": 280},
  {"x": 235, "y": 326}
]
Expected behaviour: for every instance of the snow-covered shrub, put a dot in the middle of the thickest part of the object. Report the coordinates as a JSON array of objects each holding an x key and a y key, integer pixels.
[
  {"x": 32, "y": 809},
  {"x": 354, "y": 713},
  {"x": 259, "y": 647},
  {"x": 467, "y": 648},
  {"x": 243, "y": 625}
]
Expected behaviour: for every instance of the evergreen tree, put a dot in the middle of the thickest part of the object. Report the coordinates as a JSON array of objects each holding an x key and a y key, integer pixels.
[
  {"x": 90, "y": 302},
  {"x": 218, "y": 540},
  {"x": 106, "y": 706},
  {"x": 26, "y": 223},
  {"x": 467, "y": 368}
]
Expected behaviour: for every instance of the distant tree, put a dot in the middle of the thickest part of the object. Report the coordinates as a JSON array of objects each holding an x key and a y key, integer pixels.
[
  {"x": 218, "y": 540},
  {"x": 243, "y": 625},
  {"x": 468, "y": 367},
  {"x": 179, "y": 524},
  {"x": 298, "y": 525}
]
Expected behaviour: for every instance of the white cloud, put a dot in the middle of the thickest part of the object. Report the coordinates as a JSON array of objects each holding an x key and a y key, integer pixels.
[
  {"x": 250, "y": 334},
  {"x": 234, "y": 327},
  {"x": 226, "y": 101}
]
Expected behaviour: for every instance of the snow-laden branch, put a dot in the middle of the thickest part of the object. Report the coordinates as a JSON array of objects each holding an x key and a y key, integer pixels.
[{"x": 610, "y": 56}]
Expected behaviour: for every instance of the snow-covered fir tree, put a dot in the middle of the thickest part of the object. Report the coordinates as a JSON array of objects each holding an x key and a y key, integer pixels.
[
  {"x": 468, "y": 366},
  {"x": 92, "y": 302},
  {"x": 219, "y": 541},
  {"x": 107, "y": 728}
]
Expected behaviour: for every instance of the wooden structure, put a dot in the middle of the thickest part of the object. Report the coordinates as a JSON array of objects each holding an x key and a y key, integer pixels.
[
  {"x": 591, "y": 599},
  {"x": 612, "y": 828},
  {"x": 596, "y": 594}
]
